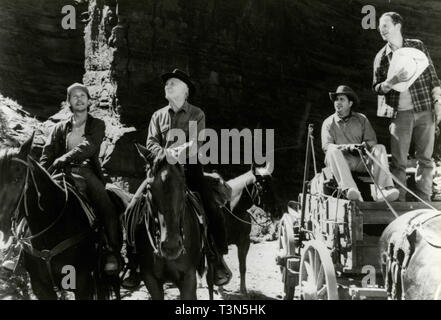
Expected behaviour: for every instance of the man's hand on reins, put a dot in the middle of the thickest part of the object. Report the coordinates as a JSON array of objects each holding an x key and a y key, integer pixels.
[{"x": 60, "y": 163}]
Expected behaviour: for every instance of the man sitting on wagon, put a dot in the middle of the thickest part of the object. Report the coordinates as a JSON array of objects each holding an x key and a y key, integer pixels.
[{"x": 344, "y": 133}]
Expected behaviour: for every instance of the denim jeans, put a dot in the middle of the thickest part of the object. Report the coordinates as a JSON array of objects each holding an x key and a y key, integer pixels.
[{"x": 419, "y": 128}]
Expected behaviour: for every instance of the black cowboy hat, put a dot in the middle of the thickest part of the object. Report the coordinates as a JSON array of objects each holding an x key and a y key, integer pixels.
[
  {"x": 178, "y": 74},
  {"x": 346, "y": 91}
]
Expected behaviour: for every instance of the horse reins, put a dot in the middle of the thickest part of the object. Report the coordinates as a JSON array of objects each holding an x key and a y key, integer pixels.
[
  {"x": 45, "y": 255},
  {"x": 151, "y": 208},
  {"x": 257, "y": 195}
]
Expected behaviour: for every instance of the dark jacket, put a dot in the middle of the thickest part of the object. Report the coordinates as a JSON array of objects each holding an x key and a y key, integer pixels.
[{"x": 89, "y": 149}]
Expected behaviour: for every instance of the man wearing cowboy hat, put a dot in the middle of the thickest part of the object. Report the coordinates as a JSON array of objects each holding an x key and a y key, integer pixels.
[
  {"x": 177, "y": 115},
  {"x": 75, "y": 143},
  {"x": 343, "y": 134},
  {"x": 405, "y": 75}
]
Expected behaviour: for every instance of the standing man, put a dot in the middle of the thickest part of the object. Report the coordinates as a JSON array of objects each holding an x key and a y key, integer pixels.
[
  {"x": 416, "y": 109},
  {"x": 75, "y": 143},
  {"x": 177, "y": 115},
  {"x": 343, "y": 133}
]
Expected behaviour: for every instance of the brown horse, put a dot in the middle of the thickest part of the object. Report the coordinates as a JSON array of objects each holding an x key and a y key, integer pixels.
[
  {"x": 169, "y": 242},
  {"x": 59, "y": 233},
  {"x": 410, "y": 249}
]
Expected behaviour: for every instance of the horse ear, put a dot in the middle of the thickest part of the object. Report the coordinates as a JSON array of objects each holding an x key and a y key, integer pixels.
[
  {"x": 26, "y": 147},
  {"x": 144, "y": 152}
]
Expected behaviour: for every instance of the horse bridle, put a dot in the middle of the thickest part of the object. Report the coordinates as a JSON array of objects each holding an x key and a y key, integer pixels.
[
  {"x": 45, "y": 255},
  {"x": 254, "y": 194},
  {"x": 154, "y": 213},
  {"x": 15, "y": 218}
]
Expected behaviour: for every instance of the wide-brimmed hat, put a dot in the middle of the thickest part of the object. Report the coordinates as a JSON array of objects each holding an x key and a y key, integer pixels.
[
  {"x": 77, "y": 85},
  {"x": 413, "y": 60},
  {"x": 346, "y": 91},
  {"x": 178, "y": 74}
]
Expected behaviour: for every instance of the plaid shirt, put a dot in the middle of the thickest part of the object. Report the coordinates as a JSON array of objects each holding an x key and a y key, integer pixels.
[{"x": 420, "y": 90}]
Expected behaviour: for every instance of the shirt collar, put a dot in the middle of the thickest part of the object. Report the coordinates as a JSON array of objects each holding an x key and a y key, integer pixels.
[
  {"x": 70, "y": 121},
  {"x": 184, "y": 107},
  {"x": 338, "y": 119},
  {"x": 389, "y": 49}
]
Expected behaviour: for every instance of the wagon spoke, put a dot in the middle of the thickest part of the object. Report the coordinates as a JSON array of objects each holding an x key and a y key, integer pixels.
[
  {"x": 321, "y": 293},
  {"x": 317, "y": 264},
  {"x": 310, "y": 258},
  {"x": 309, "y": 271},
  {"x": 320, "y": 276}
]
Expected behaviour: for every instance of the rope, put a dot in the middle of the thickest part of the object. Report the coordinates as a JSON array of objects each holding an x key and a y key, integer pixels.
[
  {"x": 397, "y": 181},
  {"x": 252, "y": 217},
  {"x": 241, "y": 220},
  {"x": 313, "y": 153},
  {"x": 375, "y": 182}
]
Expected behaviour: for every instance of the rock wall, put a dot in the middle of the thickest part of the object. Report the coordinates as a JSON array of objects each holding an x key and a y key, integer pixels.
[
  {"x": 267, "y": 64},
  {"x": 38, "y": 58},
  {"x": 255, "y": 63}
]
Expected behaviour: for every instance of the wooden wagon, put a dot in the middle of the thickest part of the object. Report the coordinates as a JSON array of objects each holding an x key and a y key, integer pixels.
[{"x": 329, "y": 246}]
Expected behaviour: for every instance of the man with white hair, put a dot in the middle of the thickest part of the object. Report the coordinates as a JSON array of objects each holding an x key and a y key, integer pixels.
[
  {"x": 416, "y": 109},
  {"x": 177, "y": 115}
]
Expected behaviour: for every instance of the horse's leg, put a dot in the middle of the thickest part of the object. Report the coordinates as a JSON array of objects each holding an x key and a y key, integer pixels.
[
  {"x": 187, "y": 286},
  {"x": 242, "y": 251},
  {"x": 42, "y": 288},
  {"x": 210, "y": 281},
  {"x": 84, "y": 286},
  {"x": 154, "y": 286}
]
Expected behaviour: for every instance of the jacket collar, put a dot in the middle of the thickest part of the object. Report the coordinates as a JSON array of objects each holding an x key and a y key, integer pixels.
[{"x": 89, "y": 121}]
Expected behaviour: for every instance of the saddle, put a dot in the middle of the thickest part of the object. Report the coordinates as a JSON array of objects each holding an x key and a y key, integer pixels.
[{"x": 77, "y": 186}]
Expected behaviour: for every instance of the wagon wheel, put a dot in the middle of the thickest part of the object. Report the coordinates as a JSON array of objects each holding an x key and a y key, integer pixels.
[
  {"x": 317, "y": 273},
  {"x": 286, "y": 249}
]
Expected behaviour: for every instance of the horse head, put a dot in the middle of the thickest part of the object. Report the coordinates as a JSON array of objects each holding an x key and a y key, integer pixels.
[
  {"x": 263, "y": 191},
  {"x": 13, "y": 169},
  {"x": 167, "y": 187}
]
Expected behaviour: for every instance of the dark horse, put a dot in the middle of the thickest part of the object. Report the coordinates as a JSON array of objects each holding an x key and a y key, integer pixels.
[
  {"x": 253, "y": 188},
  {"x": 169, "y": 242},
  {"x": 59, "y": 248},
  {"x": 410, "y": 249}
]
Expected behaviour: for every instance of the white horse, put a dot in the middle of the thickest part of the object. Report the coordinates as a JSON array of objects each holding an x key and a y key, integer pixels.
[{"x": 410, "y": 250}]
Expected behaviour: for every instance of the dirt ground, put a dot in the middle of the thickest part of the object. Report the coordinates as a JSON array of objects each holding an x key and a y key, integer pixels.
[{"x": 264, "y": 280}]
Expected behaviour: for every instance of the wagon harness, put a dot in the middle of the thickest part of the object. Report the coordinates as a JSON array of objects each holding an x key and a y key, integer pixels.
[{"x": 399, "y": 250}]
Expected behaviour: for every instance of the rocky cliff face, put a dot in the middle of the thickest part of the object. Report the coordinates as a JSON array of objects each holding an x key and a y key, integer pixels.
[
  {"x": 38, "y": 58},
  {"x": 267, "y": 64}
]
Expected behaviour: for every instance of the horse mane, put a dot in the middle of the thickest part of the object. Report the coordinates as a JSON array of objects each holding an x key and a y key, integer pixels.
[
  {"x": 42, "y": 171},
  {"x": 6, "y": 156},
  {"x": 158, "y": 162}
]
